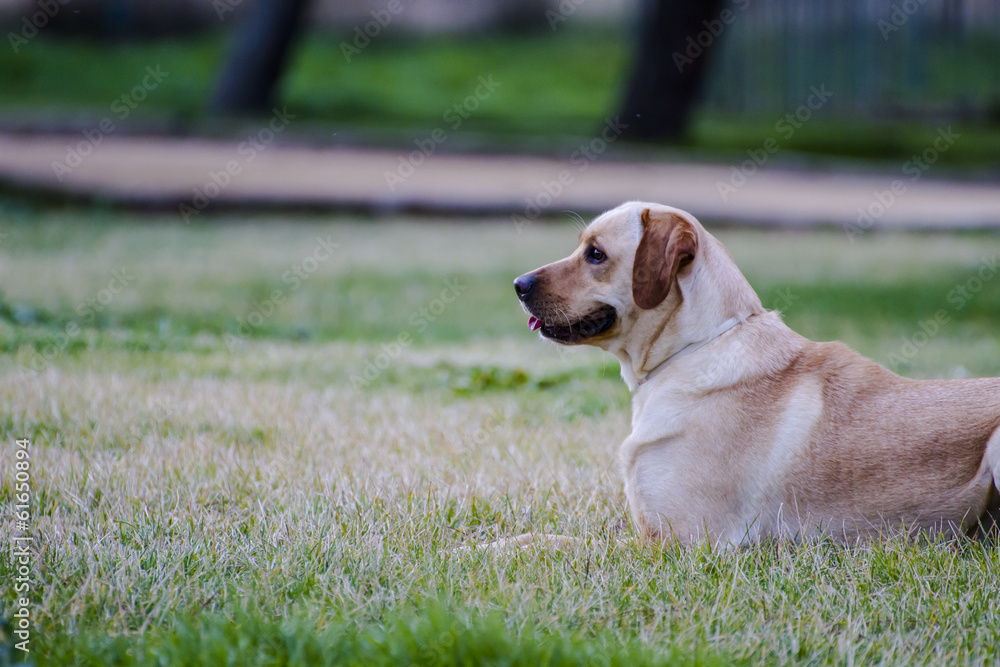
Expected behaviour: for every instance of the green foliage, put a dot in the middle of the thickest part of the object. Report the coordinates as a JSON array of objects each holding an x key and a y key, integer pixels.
[{"x": 432, "y": 636}]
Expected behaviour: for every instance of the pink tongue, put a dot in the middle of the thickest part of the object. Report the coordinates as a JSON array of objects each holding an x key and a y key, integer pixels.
[{"x": 534, "y": 323}]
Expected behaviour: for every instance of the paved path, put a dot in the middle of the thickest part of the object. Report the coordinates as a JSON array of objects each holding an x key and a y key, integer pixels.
[{"x": 168, "y": 171}]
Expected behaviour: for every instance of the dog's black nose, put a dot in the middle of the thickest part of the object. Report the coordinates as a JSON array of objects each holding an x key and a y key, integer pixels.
[{"x": 523, "y": 285}]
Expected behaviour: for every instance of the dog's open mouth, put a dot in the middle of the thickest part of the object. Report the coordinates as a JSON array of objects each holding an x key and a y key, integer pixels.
[{"x": 590, "y": 325}]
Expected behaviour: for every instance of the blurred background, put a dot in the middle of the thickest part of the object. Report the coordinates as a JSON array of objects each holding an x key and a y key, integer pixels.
[
  {"x": 371, "y": 72},
  {"x": 709, "y": 80}
]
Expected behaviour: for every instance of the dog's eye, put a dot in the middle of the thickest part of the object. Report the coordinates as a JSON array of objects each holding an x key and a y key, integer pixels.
[{"x": 594, "y": 256}]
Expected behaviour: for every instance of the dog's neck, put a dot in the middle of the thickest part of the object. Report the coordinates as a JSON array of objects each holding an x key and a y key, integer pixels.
[
  {"x": 645, "y": 376},
  {"x": 709, "y": 299},
  {"x": 678, "y": 330}
]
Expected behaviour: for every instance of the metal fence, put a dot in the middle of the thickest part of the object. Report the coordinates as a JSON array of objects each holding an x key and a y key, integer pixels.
[{"x": 881, "y": 58}]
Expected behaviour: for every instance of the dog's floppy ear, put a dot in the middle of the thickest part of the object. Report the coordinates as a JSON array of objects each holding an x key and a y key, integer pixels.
[{"x": 668, "y": 242}]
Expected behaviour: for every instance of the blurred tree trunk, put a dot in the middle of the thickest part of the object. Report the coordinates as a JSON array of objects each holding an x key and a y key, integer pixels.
[
  {"x": 257, "y": 57},
  {"x": 669, "y": 67}
]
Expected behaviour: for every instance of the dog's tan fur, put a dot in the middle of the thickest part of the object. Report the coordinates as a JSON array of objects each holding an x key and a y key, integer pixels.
[{"x": 742, "y": 428}]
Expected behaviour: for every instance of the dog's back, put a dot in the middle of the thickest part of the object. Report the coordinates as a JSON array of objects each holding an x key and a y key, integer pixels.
[{"x": 918, "y": 453}]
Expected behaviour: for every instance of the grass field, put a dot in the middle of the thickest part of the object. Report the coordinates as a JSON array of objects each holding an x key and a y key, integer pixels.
[{"x": 210, "y": 486}]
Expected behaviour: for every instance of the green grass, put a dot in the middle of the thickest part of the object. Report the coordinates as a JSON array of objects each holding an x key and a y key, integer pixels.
[
  {"x": 553, "y": 85},
  {"x": 562, "y": 83},
  {"x": 200, "y": 499}
]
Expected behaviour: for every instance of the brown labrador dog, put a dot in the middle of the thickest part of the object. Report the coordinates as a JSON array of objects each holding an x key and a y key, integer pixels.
[{"x": 742, "y": 428}]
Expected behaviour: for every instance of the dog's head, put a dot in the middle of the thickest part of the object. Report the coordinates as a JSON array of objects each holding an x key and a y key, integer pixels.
[{"x": 644, "y": 280}]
